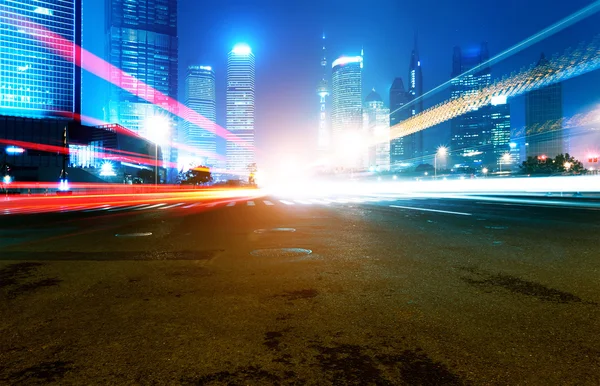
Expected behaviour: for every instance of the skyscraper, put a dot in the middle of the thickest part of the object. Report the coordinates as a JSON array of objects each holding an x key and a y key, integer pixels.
[
  {"x": 414, "y": 142},
  {"x": 323, "y": 136},
  {"x": 479, "y": 136},
  {"x": 398, "y": 99},
  {"x": 543, "y": 119},
  {"x": 346, "y": 111},
  {"x": 376, "y": 127},
  {"x": 200, "y": 97},
  {"x": 142, "y": 42},
  {"x": 34, "y": 80},
  {"x": 240, "y": 108}
]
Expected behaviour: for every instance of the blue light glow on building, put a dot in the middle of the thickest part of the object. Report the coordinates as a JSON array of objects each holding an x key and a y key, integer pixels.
[
  {"x": 240, "y": 107},
  {"x": 35, "y": 81}
]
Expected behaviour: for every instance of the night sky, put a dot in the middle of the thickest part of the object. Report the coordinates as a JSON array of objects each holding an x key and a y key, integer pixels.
[{"x": 286, "y": 39}]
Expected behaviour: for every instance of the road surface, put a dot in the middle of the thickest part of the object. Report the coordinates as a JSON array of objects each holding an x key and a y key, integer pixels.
[{"x": 274, "y": 290}]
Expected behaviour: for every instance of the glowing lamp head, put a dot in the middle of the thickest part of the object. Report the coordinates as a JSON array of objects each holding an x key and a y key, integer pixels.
[
  {"x": 484, "y": 170},
  {"x": 442, "y": 151},
  {"x": 6, "y": 179},
  {"x": 242, "y": 49}
]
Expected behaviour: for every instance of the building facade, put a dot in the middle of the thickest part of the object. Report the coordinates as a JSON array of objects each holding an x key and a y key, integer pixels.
[
  {"x": 323, "y": 133},
  {"x": 36, "y": 81},
  {"x": 142, "y": 48},
  {"x": 413, "y": 143},
  {"x": 543, "y": 119},
  {"x": 376, "y": 129},
  {"x": 346, "y": 109},
  {"x": 399, "y": 98},
  {"x": 471, "y": 133},
  {"x": 198, "y": 129},
  {"x": 240, "y": 109}
]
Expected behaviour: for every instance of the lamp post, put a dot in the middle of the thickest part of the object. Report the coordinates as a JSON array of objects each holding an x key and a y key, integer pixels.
[
  {"x": 506, "y": 158},
  {"x": 157, "y": 129},
  {"x": 441, "y": 151}
]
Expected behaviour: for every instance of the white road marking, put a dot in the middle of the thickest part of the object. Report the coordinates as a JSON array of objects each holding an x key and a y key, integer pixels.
[
  {"x": 286, "y": 202},
  {"x": 303, "y": 202},
  {"x": 232, "y": 203},
  {"x": 211, "y": 204},
  {"x": 431, "y": 210},
  {"x": 172, "y": 206},
  {"x": 128, "y": 207},
  {"x": 267, "y": 202},
  {"x": 192, "y": 205},
  {"x": 99, "y": 208},
  {"x": 151, "y": 206},
  {"x": 250, "y": 203}
]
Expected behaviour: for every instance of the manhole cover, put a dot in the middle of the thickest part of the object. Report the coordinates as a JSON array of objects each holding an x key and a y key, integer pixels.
[
  {"x": 275, "y": 230},
  {"x": 281, "y": 252},
  {"x": 138, "y": 234}
]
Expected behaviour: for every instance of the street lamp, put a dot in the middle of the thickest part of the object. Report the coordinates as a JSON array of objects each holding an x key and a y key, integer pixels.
[
  {"x": 157, "y": 129},
  {"x": 441, "y": 151},
  {"x": 485, "y": 171},
  {"x": 506, "y": 159},
  {"x": 567, "y": 165}
]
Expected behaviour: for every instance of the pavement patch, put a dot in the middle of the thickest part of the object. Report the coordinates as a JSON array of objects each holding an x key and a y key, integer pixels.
[
  {"x": 242, "y": 376},
  {"x": 281, "y": 252},
  {"x": 300, "y": 294},
  {"x": 11, "y": 274},
  {"x": 348, "y": 364},
  {"x": 41, "y": 373},
  {"x": 521, "y": 287}
]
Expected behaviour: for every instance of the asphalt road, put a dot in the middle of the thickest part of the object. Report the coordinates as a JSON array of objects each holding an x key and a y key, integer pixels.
[{"x": 398, "y": 291}]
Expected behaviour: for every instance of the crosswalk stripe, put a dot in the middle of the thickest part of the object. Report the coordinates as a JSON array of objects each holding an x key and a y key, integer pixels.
[
  {"x": 151, "y": 206},
  {"x": 303, "y": 202},
  {"x": 191, "y": 205},
  {"x": 211, "y": 204},
  {"x": 250, "y": 203},
  {"x": 267, "y": 202},
  {"x": 286, "y": 202},
  {"x": 232, "y": 203},
  {"x": 172, "y": 206},
  {"x": 127, "y": 207}
]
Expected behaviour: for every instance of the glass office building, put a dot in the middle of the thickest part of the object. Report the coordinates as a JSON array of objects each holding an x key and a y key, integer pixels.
[
  {"x": 142, "y": 43},
  {"x": 36, "y": 81},
  {"x": 240, "y": 108},
  {"x": 200, "y": 97},
  {"x": 543, "y": 118}
]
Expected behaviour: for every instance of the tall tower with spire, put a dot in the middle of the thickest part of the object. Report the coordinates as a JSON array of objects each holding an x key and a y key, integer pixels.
[
  {"x": 324, "y": 137},
  {"x": 415, "y": 92}
]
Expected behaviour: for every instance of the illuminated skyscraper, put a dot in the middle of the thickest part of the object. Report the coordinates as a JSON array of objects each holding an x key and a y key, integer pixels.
[
  {"x": 471, "y": 132},
  {"x": 35, "y": 81},
  {"x": 323, "y": 139},
  {"x": 398, "y": 99},
  {"x": 376, "y": 127},
  {"x": 142, "y": 42},
  {"x": 240, "y": 108},
  {"x": 200, "y": 97},
  {"x": 480, "y": 137},
  {"x": 346, "y": 112},
  {"x": 413, "y": 144},
  {"x": 543, "y": 119}
]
